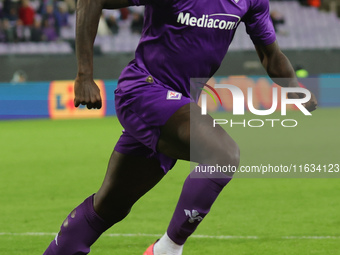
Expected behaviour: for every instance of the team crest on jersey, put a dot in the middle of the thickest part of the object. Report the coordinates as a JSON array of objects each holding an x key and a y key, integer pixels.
[{"x": 172, "y": 95}]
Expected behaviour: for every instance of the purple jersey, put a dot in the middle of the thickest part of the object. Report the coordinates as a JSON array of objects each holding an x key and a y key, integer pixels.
[{"x": 184, "y": 39}]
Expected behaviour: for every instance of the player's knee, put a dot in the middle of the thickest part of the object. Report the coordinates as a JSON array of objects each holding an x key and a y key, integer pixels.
[
  {"x": 229, "y": 157},
  {"x": 234, "y": 155},
  {"x": 224, "y": 154}
]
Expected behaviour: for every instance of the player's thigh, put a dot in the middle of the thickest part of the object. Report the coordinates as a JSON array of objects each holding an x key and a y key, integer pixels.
[
  {"x": 127, "y": 179},
  {"x": 189, "y": 135}
]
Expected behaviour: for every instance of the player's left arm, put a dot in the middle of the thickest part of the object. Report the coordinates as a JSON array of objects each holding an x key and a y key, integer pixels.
[
  {"x": 281, "y": 71},
  {"x": 261, "y": 31}
]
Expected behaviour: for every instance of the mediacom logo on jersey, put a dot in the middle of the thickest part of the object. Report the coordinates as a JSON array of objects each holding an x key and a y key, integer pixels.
[{"x": 209, "y": 21}]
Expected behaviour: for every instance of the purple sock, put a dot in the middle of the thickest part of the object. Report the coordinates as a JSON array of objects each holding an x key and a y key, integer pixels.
[
  {"x": 196, "y": 199},
  {"x": 79, "y": 231}
]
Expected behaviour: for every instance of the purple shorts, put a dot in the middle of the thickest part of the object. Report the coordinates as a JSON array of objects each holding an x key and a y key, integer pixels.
[{"x": 142, "y": 107}]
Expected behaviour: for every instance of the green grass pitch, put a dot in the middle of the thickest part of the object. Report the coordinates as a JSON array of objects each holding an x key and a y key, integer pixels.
[{"x": 48, "y": 167}]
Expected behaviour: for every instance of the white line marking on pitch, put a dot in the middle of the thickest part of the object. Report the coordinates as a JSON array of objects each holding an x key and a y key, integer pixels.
[{"x": 193, "y": 236}]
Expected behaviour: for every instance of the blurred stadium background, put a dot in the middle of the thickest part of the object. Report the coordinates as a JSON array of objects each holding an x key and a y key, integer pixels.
[
  {"x": 47, "y": 167},
  {"x": 38, "y": 36}
]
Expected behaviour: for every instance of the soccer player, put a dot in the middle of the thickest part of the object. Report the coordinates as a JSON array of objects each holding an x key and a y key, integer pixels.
[{"x": 181, "y": 39}]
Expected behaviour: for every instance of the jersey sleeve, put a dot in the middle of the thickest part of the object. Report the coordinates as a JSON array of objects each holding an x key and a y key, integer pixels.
[{"x": 258, "y": 23}]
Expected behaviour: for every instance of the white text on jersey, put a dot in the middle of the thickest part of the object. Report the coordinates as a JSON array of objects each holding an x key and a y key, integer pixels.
[{"x": 208, "y": 22}]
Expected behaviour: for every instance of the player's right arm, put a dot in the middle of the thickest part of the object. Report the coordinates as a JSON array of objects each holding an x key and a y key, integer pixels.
[{"x": 88, "y": 14}]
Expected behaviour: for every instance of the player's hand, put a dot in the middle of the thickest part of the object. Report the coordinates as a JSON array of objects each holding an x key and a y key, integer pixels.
[
  {"x": 311, "y": 105},
  {"x": 86, "y": 92}
]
